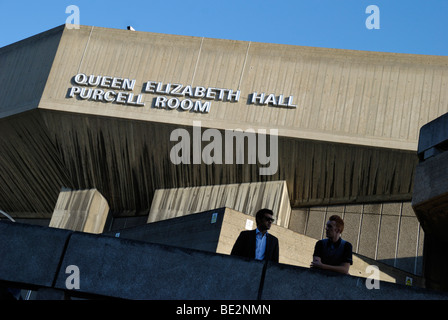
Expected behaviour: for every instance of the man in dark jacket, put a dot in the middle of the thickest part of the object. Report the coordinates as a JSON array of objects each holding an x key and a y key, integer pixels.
[
  {"x": 258, "y": 244},
  {"x": 333, "y": 253}
]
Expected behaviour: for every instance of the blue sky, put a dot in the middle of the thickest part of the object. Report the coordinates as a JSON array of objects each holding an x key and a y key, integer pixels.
[{"x": 413, "y": 26}]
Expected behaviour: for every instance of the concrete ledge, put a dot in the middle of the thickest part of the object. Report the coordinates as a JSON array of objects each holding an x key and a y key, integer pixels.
[
  {"x": 433, "y": 135},
  {"x": 200, "y": 231},
  {"x": 135, "y": 270},
  {"x": 217, "y": 230},
  {"x": 30, "y": 254},
  {"x": 430, "y": 198},
  {"x": 284, "y": 282},
  {"x": 431, "y": 179},
  {"x": 128, "y": 269}
]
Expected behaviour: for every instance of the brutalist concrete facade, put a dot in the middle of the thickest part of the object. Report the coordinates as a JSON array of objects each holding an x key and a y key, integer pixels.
[{"x": 96, "y": 108}]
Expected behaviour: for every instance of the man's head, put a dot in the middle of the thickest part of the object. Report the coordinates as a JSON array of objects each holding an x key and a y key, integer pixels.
[
  {"x": 264, "y": 219},
  {"x": 334, "y": 227}
]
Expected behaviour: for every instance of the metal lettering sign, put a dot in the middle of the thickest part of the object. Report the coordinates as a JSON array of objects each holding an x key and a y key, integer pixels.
[{"x": 169, "y": 95}]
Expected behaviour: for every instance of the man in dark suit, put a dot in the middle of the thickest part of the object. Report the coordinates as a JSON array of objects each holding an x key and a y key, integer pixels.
[{"x": 258, "y": 244}]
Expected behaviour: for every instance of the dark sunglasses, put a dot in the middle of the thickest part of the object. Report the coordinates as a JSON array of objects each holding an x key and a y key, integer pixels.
[{"x": 269, "y": 219}]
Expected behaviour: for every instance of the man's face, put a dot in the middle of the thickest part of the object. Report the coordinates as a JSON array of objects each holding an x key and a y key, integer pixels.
[
  {"x": 331, "y": 230},
  {"x": 266, "y": 222}
]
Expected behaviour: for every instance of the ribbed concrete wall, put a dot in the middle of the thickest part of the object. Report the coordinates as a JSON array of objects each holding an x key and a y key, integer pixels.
[
  {"x": 368, "y": 98},
  {"x": 127, "y": 161},
  {"x": 32, "y": 172},
  {"x": 327, "y": 150},
  {"x": 246, "y": 197}
]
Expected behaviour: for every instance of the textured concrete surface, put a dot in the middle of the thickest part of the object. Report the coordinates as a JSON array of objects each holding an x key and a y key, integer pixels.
[
  {"x": 129, "y": 269},
  {"x": 386, "y": 232},
  {"x": 199, "y": 231},
  {"x": 217, "y": 230},
  {"x": 432, "y": 136},
  {"x": 431, "y": 181},
  {"x": 80, "y": 210},
  {"x": 135, "y": 270},
  {"x": 430, "y": 199},
  {"x": 243, "y": 197},
  {"x": 30, "y": 254},
  {"x": 283, "y": 282},
  {"x": 329, "y": 152}
]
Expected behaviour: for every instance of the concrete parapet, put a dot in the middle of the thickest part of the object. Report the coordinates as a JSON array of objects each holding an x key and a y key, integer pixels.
[
  {"x": 433, "y": 137},
  {"x": 430, "y": 204},
  {"x": 29, "y": 254},
  {"x": 217, "y": 230},
  {"x": 283, "y": 282},
  {"x": 200, "y": 231},
  {"x": 430, "y": 200},
  {"x": 128, "y": 269},
  {"x": 111, "y": 267}
]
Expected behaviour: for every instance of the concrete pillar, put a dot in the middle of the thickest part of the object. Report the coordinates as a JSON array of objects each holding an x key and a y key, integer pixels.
[
  {"x": 80, "y": 210},
  {"x": 430, "y": 200}
]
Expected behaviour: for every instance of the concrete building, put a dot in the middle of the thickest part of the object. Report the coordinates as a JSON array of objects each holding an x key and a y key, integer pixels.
[{"x": 139, "y": 116}]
